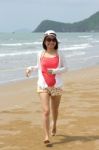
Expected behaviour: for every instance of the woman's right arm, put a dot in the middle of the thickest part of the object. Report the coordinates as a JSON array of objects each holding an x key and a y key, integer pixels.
[{"x": 30, "y": 69}]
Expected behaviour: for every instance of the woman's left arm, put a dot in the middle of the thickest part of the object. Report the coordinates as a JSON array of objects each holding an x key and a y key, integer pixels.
[{"x": 63, "y": 65}]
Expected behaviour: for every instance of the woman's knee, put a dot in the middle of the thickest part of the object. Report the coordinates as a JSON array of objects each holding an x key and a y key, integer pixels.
[{"x": 46, "y": 112}]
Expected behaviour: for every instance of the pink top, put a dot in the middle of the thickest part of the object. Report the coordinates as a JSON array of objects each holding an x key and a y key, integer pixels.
[{"x": 49, "y": 63}]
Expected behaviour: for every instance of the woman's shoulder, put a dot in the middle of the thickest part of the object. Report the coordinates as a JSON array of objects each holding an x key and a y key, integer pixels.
[{"x": 40, "y": 53}]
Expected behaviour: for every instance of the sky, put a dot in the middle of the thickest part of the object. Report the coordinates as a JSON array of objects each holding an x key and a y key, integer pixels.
[{"x": 28, "y": 14}]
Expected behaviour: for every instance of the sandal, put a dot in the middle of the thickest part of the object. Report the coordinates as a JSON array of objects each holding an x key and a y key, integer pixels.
[{"x": 48, "y": 143}]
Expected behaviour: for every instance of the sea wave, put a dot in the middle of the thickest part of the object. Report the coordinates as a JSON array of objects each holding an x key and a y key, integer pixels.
[
  {"x": 85, "y": 36},
  {"x": 18, "y": 53},
  {"x": 96, "y": 41},
  {"x": 20, "y": 44},
  {"x": 35, "y": 52},
  {"x": 77, "y": 47},
  {"x": 90, "y": 57},
  {"x": 75, "y": 54}
]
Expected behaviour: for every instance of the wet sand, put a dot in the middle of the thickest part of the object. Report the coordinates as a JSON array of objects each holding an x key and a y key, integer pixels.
[{"x": 78, "y": 122}]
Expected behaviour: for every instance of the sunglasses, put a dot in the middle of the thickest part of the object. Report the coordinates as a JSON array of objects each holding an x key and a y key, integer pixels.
[{"x": 51, "y": 39}]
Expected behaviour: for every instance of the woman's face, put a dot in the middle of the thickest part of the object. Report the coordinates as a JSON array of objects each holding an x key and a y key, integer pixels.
[{"x": 50, "y": 42}]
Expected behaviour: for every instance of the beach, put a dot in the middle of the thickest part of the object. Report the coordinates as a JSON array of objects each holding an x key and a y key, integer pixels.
[{"x": 78, "y": 122}]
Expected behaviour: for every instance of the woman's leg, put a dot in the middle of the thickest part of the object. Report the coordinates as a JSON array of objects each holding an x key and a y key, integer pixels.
[
  {"x": 55, "y": 101},
  {"x": 45, "y": 101}
]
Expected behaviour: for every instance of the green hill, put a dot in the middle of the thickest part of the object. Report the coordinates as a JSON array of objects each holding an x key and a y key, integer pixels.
[{"x": 90, "y": 24}]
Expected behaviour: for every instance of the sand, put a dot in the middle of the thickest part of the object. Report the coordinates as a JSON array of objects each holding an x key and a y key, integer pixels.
[{"x": 78, "y": 122}]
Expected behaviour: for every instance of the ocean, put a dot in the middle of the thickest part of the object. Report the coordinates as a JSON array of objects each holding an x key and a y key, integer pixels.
[{"x": 19, "y": 50}]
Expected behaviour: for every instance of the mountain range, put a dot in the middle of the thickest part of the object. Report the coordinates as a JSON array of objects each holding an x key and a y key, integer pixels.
[{"x": 90, "y": 24}]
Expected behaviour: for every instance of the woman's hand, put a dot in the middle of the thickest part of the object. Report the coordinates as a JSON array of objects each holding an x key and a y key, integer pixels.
[
  {"x": 28, "y": 71},
  {"x": 50, "y": 71}
]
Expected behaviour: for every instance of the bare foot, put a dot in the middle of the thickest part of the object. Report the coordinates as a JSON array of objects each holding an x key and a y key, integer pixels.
[{"x": 53, "y": 131}]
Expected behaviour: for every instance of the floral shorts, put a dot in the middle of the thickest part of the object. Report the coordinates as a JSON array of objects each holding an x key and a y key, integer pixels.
[{"x": 52, "y": 91}]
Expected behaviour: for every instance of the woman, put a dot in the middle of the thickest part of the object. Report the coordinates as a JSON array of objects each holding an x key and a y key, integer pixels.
[{"x": 50, "y": 65}]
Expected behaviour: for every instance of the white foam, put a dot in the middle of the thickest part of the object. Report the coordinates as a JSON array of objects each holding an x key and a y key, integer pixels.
[
  {"x": 77, "y": 47},
  {"x": 37, "y": 43},
  {"x": 12, "y": 44},
  {"x": 20, "y": 44},
  {"x": 75, "y": 54},
  {"x": 18, "y": 53},
  {"x": 85, "y": 36}
]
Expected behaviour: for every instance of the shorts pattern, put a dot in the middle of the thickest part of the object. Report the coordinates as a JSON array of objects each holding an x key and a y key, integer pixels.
[{"x": 53, "y": 91}]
